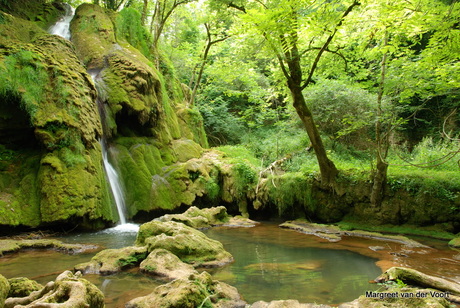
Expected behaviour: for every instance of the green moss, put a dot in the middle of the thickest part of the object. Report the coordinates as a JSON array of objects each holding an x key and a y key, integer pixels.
[
  {"x": 4, "y": 290},
  {"x": 92, "y": 33},
  {"x": 455, "y": 242},
  {"x": 290, "y": 190},
  {"x": 130, "y": 28},
  {"x": 433, "y": 231},
  {"x": 21, "y": 287}
]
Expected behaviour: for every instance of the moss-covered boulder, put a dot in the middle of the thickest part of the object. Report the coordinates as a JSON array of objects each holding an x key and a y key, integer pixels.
[
  {"x": 4, "y": 289},
  {"x": 401, "y": 297},
  {"x": 417, "y": 278},
  {"x": 199, "y": 218},
  {"x": 196, "y": 291},
  {"x": 163, "y": 264},
  {"x": 68, "y": 290},
  {"x": 111, "y": 261},
  {"x": 190, "y": 245},
  {"x": 22, "y": 287},
  {"x": 455, "y": 242}
]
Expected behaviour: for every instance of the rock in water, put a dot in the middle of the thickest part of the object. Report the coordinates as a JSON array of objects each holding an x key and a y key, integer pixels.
[
  {"x": 190, "y": 245},
  {"x": 67, "y": 291},
  {"x": 196, "y": 291},
  {"x": 164, "y": 264}
]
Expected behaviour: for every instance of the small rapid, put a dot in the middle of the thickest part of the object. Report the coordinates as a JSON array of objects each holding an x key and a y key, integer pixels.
[{"x": 62, "y": 26}]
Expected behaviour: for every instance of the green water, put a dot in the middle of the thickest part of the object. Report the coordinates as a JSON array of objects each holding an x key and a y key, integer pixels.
[
  {"x": 270, "y": 263},
  {"x": 273, "y": 263}
]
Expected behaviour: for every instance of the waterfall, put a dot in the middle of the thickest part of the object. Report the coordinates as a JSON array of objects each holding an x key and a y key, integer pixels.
[
  {"x": 114, "y": 182},
  {"x": 62, "y": 26},
  {"x": 110, "y": 171}
]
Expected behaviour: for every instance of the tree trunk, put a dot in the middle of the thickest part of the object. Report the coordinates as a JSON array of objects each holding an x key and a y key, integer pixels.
[
  {"x": 144, "y": 12},
  {"x": 326, "y": 166},
  {"x": 380, "y": 179}
]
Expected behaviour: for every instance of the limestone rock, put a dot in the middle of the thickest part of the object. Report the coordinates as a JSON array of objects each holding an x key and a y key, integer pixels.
[
  {"x": 414, "y": 277},
  {"x": 334, "y": 234},
  {"x": 164, "y": 264},
  {"x": 394, "y": 298},
  {"x": 190, "y": 245},
  {"x": 110, "y": 261},
  {"x": 9, "y": 246},
  {"x": 4, "y": 289},
  {"x": 21, "y": 287},
  {"x": 67, "y": 291},
  {"x": 195, "y": 291},
  {"x": 199, "y": 218}
]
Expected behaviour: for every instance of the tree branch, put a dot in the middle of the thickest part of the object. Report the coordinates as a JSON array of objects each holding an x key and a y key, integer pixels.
[{"x": 326, "y": 44}]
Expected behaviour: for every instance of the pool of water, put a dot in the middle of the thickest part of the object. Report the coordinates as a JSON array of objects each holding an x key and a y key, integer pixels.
[
  {"x": 270, "y": 263},
  {"x": 273, "y": 263}
]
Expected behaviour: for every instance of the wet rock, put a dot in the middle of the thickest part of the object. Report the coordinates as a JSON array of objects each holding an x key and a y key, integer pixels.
[
  {"x": 110, "y": 261},
  {"x": 414, "y": 277},
  {"x": 164, "y": 264},
  {"x": 196, "y": 291},
  {"x": 190, "y": 245},
  {"x": 285, "y": 304},
  {"x": 330, "y": 233},
  {"x": 334, "y": 233},
  {"x": 208, "y": 217},
  {"x": 4, "y": 289},
  {"x": 9, "y": 246},
  {"x": 68, "y": 290},
  {"x": 400, "y": 297},
  {"x": 199, "y": 218},
  {"x": 20, "y": 287}
]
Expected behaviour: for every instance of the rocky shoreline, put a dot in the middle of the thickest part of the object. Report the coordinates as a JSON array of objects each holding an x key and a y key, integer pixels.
[{"x": 170, "y": 249}]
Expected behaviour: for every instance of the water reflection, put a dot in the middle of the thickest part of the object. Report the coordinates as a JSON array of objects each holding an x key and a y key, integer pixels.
[{"x": 272, "y": 263}]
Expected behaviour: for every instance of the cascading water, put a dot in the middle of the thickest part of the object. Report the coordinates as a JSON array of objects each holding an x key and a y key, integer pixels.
[
  {"x": 62, "y": 26},
  {"x": 114, "y": 182},
  {"x": 110, "y": 171}
]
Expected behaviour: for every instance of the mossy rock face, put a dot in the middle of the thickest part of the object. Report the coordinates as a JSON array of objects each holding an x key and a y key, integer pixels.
[
  {"x": 164, "y": 264},
  {"x": 111, "y": 261},
  {"x": 196, "y": 291},
  {"x": 190, "y": 245},
  {"x": 44, "y": 86},
  {"x": 21, "y": 287},
  {"x": 4, "y": 289},
  {"x": 455, "y": 242}
]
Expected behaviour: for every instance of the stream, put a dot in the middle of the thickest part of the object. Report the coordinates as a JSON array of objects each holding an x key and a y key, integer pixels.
[{"x": 270, "y": 263}]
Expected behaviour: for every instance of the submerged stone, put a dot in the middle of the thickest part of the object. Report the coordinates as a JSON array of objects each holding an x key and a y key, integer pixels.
[
  {"x": 9, "y": 246},
  {"x": 290, "y": 303},
  {"x": 190, "y": 245},
  {"x": 196, "y": 291}
]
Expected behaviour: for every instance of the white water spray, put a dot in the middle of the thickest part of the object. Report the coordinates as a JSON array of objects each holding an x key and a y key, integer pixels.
[
  {"x": 62, "y": 26},
  {"x": 110, "y": 171}
]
